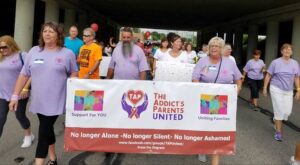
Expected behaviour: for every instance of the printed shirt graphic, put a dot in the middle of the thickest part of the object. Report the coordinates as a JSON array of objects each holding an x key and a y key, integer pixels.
[{"x": 88, "y": 56}]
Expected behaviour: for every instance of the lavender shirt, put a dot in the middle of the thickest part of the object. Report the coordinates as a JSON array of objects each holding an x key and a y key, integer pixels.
[
  {"x": 128, "y": 68},
  {"x": 206, "y": 72},
  {"x": 283, "y": 73},
  {"x": 10, "y": 68},
  {"x": 254, "y": 69},
  {"x": 49, "y": 71}
]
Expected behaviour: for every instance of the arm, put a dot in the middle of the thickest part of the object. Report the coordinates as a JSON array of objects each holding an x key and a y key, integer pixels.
[
  {"x": 239, "y": 85},
  {"x": 25, "y": 90},
  {"x": 93, "y": 68},
  {"x": 143, "y": 75},
  {"x": 111, "y": 43},
  {"x": 243, "y": 76},
  {"x": 110, "y": 73},
  {"x": 194, "y": 80},
  {"x": 297, "y": 85},
  {"x": 266, "y": 83},
  {"x": 74, "y": 74},
  {"x": 19, "y": 86}
]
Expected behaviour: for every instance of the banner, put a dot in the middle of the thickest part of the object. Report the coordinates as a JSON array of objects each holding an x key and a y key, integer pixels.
[
  {"x": 173, "y": 71},
  {"x": 103, "y": 68},
  {"x": 150, "y": 117}
]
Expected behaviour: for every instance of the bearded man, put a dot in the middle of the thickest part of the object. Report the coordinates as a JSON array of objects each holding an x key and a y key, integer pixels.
[{"x": 128, "y": 60}]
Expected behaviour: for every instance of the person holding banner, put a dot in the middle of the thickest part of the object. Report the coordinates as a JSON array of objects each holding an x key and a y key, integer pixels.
[
  {"x": 216, "y": 69},
  {"x": 128, "y": 60},
  {"x": 160, "y": 53},
  {"x": 49, "y": 63},
  {"x": 90, "y": 56},
  {"x": 175, "y": 54},
  {"x": 283, "y": 74}
]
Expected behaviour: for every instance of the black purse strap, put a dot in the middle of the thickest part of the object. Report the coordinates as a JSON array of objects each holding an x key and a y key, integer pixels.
[
  {"x": 21, "y": 58},
  {"x": 218, "y": 71}
]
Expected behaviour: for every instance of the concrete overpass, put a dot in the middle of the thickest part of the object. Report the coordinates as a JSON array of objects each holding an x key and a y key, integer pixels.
[{"x": 278, "y": 20}]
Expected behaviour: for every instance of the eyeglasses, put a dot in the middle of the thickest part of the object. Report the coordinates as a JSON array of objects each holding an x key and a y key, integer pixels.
[
  {"x": 4, "y": 47},
  {"x": 86, "y": 35}
]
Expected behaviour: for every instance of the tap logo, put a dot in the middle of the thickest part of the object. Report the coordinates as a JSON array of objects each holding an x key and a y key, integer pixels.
[{"x": 134, "y": 108}]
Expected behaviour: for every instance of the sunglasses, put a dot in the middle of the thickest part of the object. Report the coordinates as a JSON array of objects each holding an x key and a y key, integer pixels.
[
  {"x": 86, "y": 35},
  {"x": 3, "y": 47}
]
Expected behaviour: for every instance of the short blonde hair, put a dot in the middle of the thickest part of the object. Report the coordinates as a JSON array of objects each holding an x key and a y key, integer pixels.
[{"x": 218, "y": 41}]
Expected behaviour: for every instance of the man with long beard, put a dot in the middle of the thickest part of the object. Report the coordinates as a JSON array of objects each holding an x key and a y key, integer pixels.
[{"x": 128, "y": 60}]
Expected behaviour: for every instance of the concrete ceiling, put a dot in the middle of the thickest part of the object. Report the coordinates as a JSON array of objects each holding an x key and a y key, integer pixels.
[{"x": 180, "y": 14}]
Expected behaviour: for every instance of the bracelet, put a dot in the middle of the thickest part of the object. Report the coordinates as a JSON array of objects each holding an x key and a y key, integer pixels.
[
  {"x": 25, "y": 90},
  {"x": 298, "y": 89},
  {"x": 14, "y": 97}
]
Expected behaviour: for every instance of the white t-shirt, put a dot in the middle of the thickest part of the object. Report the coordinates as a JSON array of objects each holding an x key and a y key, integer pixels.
[
  {"x": 159, "y": 54},
  {"x": 232, "y": 58},
  {"x": 182, "y": 58},
  {"x": 191, "y": 56},
  {"x": 202, "y": 54}
]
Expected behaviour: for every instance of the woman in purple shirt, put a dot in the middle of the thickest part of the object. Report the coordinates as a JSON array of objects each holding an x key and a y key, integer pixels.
[
  {"x": 283, "y": 74},
  {"x": 11, "y": 63},
  {"x": 49, "y": 65},
  {"x": 254, "y": 70},
  {"x": 216, "y": 69}
]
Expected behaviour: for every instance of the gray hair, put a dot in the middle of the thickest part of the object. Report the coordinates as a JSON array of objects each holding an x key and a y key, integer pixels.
[
  {"x": 218, "y": 41},
  {"x": 127, "y": 29},
  {"x": 93, "y": 33}
]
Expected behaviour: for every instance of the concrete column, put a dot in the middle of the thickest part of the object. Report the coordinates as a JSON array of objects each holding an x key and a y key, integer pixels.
[
  {"x": 229, "y": 37},
  {"x": 296, "y": 38},
  {"x": 238, "y": 44},
  {"x": 199, "y": 39},
  {"x": 52, "y": 11},
  {"x": 252, "y": 40},
  {"x": 69, "y": 19},
  {"x": 82, "y": 22},
  {"x": 272, "y": 41},
  {"x": 24, "y": 23}
]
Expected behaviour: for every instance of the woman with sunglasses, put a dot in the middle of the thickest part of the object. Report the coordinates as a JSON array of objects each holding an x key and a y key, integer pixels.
[{"x": 11, "y": 63}]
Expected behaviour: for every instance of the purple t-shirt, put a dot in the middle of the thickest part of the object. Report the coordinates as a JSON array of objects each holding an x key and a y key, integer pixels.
[
  {"x": 254, "y": 69},
  {"x": 283, "y": 73},
  {"x": 49, "y": 71},
  {"x": 128, "y": 68},
  {"x": 10, "y": 68},
  {"x": 206, "y": 72}
]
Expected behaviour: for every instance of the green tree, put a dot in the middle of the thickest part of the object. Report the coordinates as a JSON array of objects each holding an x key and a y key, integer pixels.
[{"x": 136, "y": 30}]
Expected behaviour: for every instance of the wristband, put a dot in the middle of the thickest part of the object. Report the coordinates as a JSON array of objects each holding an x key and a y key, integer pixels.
[
  {"x": 298, "y": 89},
  {"x": 14, "y": 98},
  {"x": 25, "y": 90}
]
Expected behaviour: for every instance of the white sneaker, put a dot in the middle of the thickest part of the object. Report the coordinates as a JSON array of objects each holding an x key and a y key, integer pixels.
[
  {"x": 293, "y": 161},
  {"x": 202, "y": 158},
  {"x": 27, "y": 141}
]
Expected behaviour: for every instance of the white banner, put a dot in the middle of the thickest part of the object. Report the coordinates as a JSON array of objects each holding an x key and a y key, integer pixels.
[
  {"x": 128, "y": 111},
  {"x": 103, "y": 68},
  {"x": 173, "y": 71}
]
